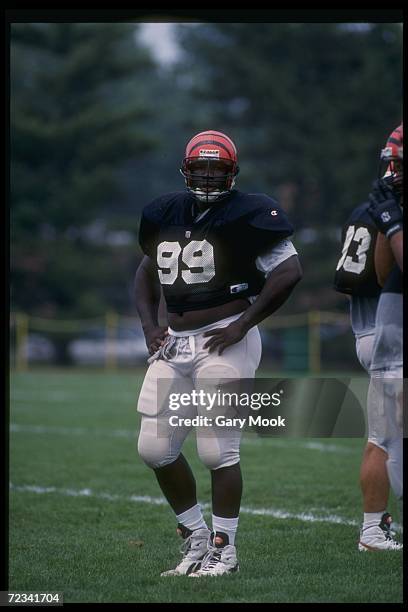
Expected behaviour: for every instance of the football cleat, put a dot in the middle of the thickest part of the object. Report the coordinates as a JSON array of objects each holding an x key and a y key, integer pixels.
[
  {"x": 193, "y": 549},
  {"x": 385, "y": 524},
  {"x": 379, "y": 537},
  {"x": 220, "y": 559}
]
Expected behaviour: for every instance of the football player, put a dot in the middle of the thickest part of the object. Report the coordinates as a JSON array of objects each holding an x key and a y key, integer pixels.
[
  {"x": 224, "y": 263},
  {"x": 356, "y": 277},
  {"x": 385, "y": 396}
]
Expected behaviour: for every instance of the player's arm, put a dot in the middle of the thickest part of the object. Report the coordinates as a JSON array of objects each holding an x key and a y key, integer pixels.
[
  {"x": 162, "y": 313},
  {"x": 276, "y": 290},
  {"x": 147, "y": 299},
  {"x": 383, "y": 259},
  {"x": 387, "y": 215},
  {"x": 396, "y": 243}
]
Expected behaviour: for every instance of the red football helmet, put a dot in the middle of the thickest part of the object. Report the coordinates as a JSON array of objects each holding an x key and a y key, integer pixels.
[
  {"x": 392, "y": 157},
  {"x": 210, "y": 166}
]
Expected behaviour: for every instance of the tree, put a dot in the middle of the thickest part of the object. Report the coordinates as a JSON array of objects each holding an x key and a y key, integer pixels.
[
  {"x": 77, "y": 116},
  {"x": 76, "y": 119},
  {"x": 308, "y": 104}
]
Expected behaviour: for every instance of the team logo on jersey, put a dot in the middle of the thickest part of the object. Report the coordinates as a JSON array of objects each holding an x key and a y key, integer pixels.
[
  {"x": 188, "y": 234},
  {"x": 385, "y": 216},
  {"x": 274, "y": 213},
  {"x": 209, "y": 153}
]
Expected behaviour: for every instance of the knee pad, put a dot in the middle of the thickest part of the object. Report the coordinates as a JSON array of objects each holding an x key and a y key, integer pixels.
[
  {"x": 364, "y": 350},
  {"x": 217, "y": 452},
  {"x": 155, "y": 450}
]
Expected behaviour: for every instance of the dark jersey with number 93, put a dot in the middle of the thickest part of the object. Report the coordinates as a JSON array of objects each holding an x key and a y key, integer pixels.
[
  {"x": 355, "y": 271},
  {"x": 204, "y": 260}
]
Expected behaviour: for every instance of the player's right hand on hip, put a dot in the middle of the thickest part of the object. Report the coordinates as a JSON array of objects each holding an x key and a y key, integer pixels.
[{"x": 155, "y": 338}]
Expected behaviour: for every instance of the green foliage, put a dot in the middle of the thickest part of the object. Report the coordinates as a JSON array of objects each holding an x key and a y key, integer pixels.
[
  {"x": 76, "y": 119},
  {"x": 308, "y": 105}
]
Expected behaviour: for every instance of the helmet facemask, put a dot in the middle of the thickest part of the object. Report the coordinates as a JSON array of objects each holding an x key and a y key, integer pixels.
[
  {"x": 391, "y": 171},
  {"x": 392, "y": 163},
  {"x": 209, "y": 179}
]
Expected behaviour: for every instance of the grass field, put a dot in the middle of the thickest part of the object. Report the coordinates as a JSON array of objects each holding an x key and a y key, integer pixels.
[{"x": 87, "y": 517}]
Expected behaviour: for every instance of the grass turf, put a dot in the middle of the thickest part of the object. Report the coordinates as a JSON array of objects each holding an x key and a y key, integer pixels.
[{"x": 80, "y": 531}]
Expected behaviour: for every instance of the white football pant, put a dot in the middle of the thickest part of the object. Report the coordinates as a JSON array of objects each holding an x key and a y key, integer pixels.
[
  {"x": 179, "y": 367},
  {"x": 385, "y": 421}
]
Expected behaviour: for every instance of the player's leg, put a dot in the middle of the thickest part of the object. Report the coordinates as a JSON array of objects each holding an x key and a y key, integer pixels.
[
  {"x": 219, "y": 451},
  {"x": 374, "y": 479},
  {"x": 375, "y": 486},
  {"x": 218, "y": 448},
  {"x": 394, "y": 407},
  {"x": 178, "y": 484},
  {"x": 159, "y": 446},
  {"x": 375, "y": 533}
]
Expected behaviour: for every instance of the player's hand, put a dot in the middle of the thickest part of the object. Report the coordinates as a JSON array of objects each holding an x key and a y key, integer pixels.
[
  {"x": 384, "y": 209},
  {"x": 223, "y": 337},
  {"x": 155, "y": 338}
]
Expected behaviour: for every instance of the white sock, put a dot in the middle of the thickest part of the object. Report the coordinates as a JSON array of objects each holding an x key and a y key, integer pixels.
[
  {"x": 192, "y": 518},
  {"x": 372, "y": 519},
  {"x": 226, "y": 525}
]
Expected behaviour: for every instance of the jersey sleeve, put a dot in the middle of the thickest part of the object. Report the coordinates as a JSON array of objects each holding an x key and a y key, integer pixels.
[{"x": 270, "y": 260}]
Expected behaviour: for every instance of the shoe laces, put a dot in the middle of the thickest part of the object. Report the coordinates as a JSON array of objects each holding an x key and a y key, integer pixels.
[{"x": 211, "y": 558}]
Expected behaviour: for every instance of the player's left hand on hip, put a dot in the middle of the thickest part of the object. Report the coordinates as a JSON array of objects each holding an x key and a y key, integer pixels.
[
  {"x": 223, "y": 337},
  {"x": 384, "y": 209}
]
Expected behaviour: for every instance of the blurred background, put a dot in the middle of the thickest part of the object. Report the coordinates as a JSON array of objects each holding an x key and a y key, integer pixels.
[{"x": 100, "y": 116}]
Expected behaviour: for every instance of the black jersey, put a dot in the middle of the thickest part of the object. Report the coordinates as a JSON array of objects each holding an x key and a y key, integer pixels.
[
  {"x": 204, "y": 260},
  {"x": 355, "y": 272}
]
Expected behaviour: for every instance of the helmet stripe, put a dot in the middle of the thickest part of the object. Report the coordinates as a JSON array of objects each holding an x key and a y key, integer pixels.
[
  {"x": 215, "y": 134},
  {"x": 392, "y": 140}
]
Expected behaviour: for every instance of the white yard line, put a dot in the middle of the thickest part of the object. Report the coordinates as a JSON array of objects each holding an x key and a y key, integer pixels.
[
  {"x": 307, "y": 517},
  {"x": 128, "y": 433},
  {"x": 57, "y": 396},
  {"x": 72, "y": 431}
]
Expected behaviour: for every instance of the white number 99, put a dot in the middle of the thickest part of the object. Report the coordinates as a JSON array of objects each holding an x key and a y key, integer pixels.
[{"x": 196, "y": 254}]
